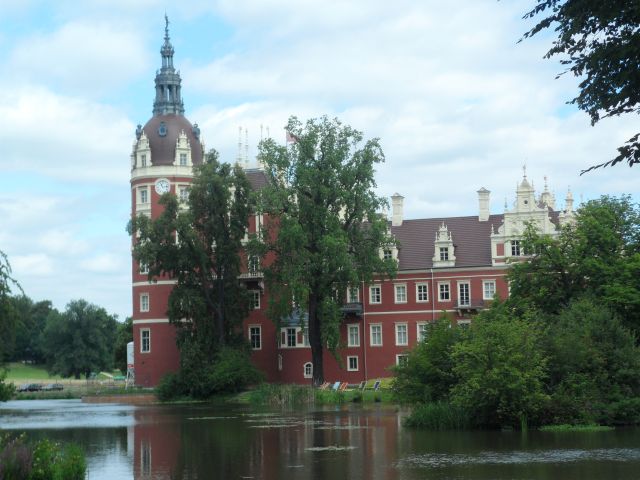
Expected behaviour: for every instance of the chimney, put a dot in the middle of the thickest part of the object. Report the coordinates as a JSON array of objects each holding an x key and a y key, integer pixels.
[
  {"x": 483, "y": 203},
  {"x": 396, "y": 205}
]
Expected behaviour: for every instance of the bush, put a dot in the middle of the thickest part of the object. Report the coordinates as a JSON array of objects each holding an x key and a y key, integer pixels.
[
  {"x": 42, "y": 460},
  {"x": 439, "y": 416},
  {"x": 170, "y": 387}
]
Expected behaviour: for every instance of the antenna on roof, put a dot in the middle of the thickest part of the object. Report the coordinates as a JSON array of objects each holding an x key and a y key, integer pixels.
[{"x": 246, "y": 147}]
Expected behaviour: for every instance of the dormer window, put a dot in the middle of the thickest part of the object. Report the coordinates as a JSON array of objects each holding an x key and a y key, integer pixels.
[
  {"x": 143, "y": 160},
  {"x": 516, "y": 248},
  {"x": 443, "y": 254},
  {"x": 387, "y": 254},
  {"x": 183, "y": 159}
]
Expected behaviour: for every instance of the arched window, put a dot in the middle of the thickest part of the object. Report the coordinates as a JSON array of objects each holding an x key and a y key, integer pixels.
[{"x": 308, "y": 370}]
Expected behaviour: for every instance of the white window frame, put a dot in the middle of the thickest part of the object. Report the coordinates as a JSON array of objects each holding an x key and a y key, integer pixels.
[
  {"x": 287, "y": 337},
  {"x": 144, "y": 302},
  {"x": 356, "y": 328},
  {"x": 308, "y": 374},
  {"x": 379, "y": 295},
  {"x": 516, "y": 248},
  {"x": 398, "y": 327},
  {"x": 142, "y": 340},
  {"x": 255, "y": 299},
  {"x": 444, "y": 254},
  {"x": 143, "y": 268},
  {"x": 259, "y": 329},
  {"x": 353, "y": 298},
  {"x": 183, "y": 156},
  {"x": 422, "y": 331},
  {"x": 183, "y": 193},
  {"x": 440, "y": 285},
  {"x": 143, "y": 160},
  {"x": 387, "y": 254},
  {"x": 468, "y": 285},
  {"x": 143, "y": 195},
  {"x": 401, "y": 356},
  {"x": 396, "y": 288},
  {"x": 484, "y": 289},
  {"x": 372, "y": 336},
  {"x": 426, "y": 291},
  {"x": 351, "y": 368}
]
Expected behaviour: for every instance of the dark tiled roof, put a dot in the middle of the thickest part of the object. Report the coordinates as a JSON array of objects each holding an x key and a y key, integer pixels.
[
  {"x": 256, "y": 178},
  {"x": 471, "y": 239}
]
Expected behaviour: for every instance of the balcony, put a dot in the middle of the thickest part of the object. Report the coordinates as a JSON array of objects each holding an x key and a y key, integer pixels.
[
  {"x": 471, "y": 307},
  {"x": 353, "y": 308}
]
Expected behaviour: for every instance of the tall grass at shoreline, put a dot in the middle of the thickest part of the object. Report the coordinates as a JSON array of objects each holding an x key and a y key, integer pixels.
[
  {"x": 290, "y": 395},
  {"x": 439, "y": 416}
]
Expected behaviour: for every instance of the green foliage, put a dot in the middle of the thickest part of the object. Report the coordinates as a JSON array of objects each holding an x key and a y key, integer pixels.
[
  {"x": 594, "y": 368},
  {"x": 323, "y": 230},
  {"x": 124, "y": 335},
  {"x": 575, "y": 428},
  {"x": 282, "y": 395},
  {"x": 230, "y": 371},
  {"x": 8, "y": 312},
  {"x": 428, "y": 375},
  {"x": 41, "y": 460},
  {"x": 205, "y": 261},
  {"x": 6, "y": 389},
  {"x": 80, "y": 340},
  {"x": 501, "y": 369},
  {"x": 32, "y": 317},
  {"x": 439, "y": 416},
  {"x": 599, "y": 42},
  {"x": 599, "y": 256}
]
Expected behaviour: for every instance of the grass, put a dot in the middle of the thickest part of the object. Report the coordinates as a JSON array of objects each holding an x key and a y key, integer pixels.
[
  {"x": 439, "y": 416},
  {"x": 288, "y": 395},
  {"x": 19, "y": 372},
  {"x": 576, "y": 428}
]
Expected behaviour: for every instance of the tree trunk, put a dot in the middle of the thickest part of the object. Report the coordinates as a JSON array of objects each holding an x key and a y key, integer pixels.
[{"x": 315, "y": 340}]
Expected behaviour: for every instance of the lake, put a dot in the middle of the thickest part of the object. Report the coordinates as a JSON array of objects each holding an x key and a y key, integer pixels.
[{"x": 345, "y": 442}]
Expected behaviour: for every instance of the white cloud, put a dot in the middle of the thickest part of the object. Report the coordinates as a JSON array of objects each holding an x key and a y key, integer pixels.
[{"x": 32, "y": 264}]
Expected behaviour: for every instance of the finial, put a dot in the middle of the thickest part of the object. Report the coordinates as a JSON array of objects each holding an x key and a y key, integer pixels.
[
  {"x": 524, "y": 170},
  {"x": 166, "y": 26},
  {"x": 546, "y": 187}
]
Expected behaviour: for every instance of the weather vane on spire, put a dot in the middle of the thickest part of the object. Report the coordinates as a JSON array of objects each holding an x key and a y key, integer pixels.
[{"x": 166, "y": 26}]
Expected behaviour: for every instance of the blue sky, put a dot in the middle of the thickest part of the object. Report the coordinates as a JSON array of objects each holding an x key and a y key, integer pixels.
[{"x": 457, "y": 103}]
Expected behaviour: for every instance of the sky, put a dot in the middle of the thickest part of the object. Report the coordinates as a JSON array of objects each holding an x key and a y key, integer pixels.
[{"x": 457, "y": 102}]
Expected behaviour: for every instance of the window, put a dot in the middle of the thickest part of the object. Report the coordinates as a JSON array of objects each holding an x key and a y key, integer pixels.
[
  {"x": 143, "y": 160},
  {"x": 308, "y": 370},
  {"x": 376, "y": 335},
  {"x": 144, "y": 269},
  {"x": 401, "y": 293},
  {"x": 516, "y": 251},
  {"x": 387, "y": 254},
  {"x": 144, "y": 195},
  {"x": 145, "y": 340},
  {"x": 255, "y": 299},
  {"x": 463, "y": 293},
  {"x": 401, "y": 334},
  {"x": 443, "y": 292},
  {"x": 353, "y": 295},
  {"x": 402, "y": 360},
  {"x": 353, "y": 339},
  {"x": 183, "y": 159},
  {"x": 255, "y": 337},
  {"x": 423, "y": 331},
  {"x": 144, "y": 302},
  {"x": 422, "y": 292},
  {"x": 444, "y": 254},
  {"x": 352, "y": 364},
  {"x": 375, "y": 294},
  {"x": 488, "y": 289},
  {"x": 305, "y": 337},
  {"x": 291, "y": 337},
  {"x": 184, "y": 194},
  {"x": 253, "y": 264}
]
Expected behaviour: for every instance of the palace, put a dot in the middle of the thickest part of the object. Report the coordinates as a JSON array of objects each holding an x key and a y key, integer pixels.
[{"x": 455, "y": 264}]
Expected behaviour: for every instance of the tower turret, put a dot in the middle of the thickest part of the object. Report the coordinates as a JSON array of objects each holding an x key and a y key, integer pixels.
[{"x": 168, "y": 94}]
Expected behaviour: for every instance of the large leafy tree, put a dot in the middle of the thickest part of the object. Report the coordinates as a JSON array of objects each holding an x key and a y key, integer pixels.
[
  {"x": 79, "y": 340},
  {"x": 8, "y": 320},
  {"x": 597, "y": 256},
  {"x": 322, "y": 227},
  {"x": 204, "y": 259},
  {"x": 599, "y": 41},
  {"x": 32, "y": 317}
]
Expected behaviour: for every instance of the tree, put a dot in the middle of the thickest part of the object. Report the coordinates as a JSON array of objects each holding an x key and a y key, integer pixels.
[
  {"x": 8, "y": 314},
  {"x": 79, "y": 340},
  {"x": 600, "y": 42},
  {"x": 501, "y": 369},
  {"x": 322, "y": 225},
  {"x": 205, "y": 258},
  {"x": 32, "y": 318},
  {"x": 598, "y": 256},
  {"x": 427, "y": 375},
  {"x": 124, "y": 335}
]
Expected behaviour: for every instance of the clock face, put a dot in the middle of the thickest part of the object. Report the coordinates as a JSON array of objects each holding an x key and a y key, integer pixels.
[{"x": 162, "y": 186}]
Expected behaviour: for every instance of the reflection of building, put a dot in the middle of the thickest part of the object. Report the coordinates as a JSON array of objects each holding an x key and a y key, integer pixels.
[{"x": 454, "y": 264}]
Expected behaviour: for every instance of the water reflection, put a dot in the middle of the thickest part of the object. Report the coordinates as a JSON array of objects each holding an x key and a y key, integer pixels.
[{"x": 222, "y": 441}]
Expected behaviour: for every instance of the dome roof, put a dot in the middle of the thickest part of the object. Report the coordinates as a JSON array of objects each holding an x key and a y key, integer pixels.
[{"x": 163, "y": 131}]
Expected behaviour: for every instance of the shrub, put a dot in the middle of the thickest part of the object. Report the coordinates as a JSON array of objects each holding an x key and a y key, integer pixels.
[
  {"x": 439, "y": 416},
  {"x": 170, "y": 387}
]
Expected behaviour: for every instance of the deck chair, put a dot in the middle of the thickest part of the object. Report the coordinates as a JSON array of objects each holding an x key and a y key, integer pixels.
[
  {"x": 363, "y": 385},
  {"x": 324, "y": 386},
  {"x": 336, "y": 386},
  {"x": 376, "y": 386},
  {"x": 343, "y": 386}
]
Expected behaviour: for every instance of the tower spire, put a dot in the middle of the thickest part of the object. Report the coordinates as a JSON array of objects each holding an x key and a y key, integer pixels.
[{"x": 168, "y": 95}]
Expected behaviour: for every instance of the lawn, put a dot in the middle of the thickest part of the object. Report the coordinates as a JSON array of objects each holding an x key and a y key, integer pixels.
[{"x": 19, "y": 372}]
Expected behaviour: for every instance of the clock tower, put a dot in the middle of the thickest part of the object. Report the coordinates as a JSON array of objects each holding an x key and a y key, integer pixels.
[{"x": 164, "y": 152}]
